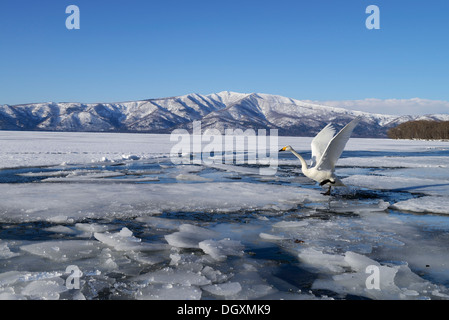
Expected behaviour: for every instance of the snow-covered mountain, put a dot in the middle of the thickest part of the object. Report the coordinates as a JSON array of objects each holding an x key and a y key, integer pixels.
[{"x": 224, "y": 110}]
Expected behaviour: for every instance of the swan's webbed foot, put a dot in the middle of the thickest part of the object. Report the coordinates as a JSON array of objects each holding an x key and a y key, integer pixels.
[{"x": 328, "y": 192}]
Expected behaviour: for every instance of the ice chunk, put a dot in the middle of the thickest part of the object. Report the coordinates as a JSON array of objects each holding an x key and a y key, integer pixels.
[
  {"x": 223, "y": 289},
  {"x": 60, "y": 219},
  {"x": 63, "y": 250},
  {"x": 147, "y": 257},
  {"x": 290, "y": 224},
  {"x": 317, "y": 260},
  {"x": 191, "y": 262},
  {"x": 5, "y": 252},
  {"x": 160, "y": 223},
  {"x": 125, "y": 241},
  {"x": 432, "y": 204},
  {"x": 88, "y": 229},
  {"x": 61, "y": 230},
  {"x": 189, "y": 236},
  {"x": 170, "y": 275},
  {"x": 219, "y": 250},
  {"x": 359, "y": 262},
  {"x": 267, "y": 236},
  {"x": 216, "y": 276},
  {"x": 169, "y": 292},
  {"x": 45, "y": 289},
  {"x": 109, "y": 264},
  {"x": 126, "y": 233},
  {"x": 9, "y": 294},
  {"x": 10, "y": 277},
  {"x": 130, "y": 157}
]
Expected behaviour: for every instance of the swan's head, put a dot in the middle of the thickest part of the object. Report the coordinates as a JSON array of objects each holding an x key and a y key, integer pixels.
[{"x": 287, "y": 148}]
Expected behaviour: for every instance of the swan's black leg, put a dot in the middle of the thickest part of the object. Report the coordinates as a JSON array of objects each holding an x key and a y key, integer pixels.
[{"x": 328, "y": 192}]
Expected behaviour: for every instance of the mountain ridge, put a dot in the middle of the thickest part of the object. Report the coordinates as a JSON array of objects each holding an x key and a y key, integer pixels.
[{"x": 222, "y": 110}]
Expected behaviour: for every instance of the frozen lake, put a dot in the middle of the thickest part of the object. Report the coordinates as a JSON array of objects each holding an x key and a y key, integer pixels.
[{"x": 115, "y": 208}]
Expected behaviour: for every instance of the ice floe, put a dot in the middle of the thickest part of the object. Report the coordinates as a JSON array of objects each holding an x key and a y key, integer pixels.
[
  {"x": 426, "y": 204},
  {"x": 75, "y": 202}
]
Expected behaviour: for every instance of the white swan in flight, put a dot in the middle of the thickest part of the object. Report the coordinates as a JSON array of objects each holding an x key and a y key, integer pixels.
[{"x": 326, "y": 149}]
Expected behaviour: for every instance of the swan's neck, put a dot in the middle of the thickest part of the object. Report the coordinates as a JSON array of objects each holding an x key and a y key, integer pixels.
[{"x": 303, "y": 162}]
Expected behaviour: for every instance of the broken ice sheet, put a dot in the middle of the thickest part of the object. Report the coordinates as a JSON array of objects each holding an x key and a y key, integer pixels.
[{"x": 219, "y": 250}]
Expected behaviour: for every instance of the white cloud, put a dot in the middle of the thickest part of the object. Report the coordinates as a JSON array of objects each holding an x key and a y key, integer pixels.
[{"x": 415, "y": 106}]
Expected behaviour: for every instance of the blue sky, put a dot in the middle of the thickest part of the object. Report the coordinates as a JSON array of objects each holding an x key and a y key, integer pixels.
[{"x": 140, "y": 49}]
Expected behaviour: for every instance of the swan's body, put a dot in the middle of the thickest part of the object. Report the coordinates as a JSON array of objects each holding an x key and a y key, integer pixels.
[{"x": 326, "y": 150}]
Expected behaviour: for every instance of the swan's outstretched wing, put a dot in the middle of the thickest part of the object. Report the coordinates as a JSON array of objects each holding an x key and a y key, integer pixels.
[
  {"x": 320, "y": 142},
  {"x": 335, "y": 147}
]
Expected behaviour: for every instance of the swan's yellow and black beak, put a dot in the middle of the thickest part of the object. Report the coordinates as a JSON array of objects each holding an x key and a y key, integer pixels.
[{"x": 283, "y": 149}]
